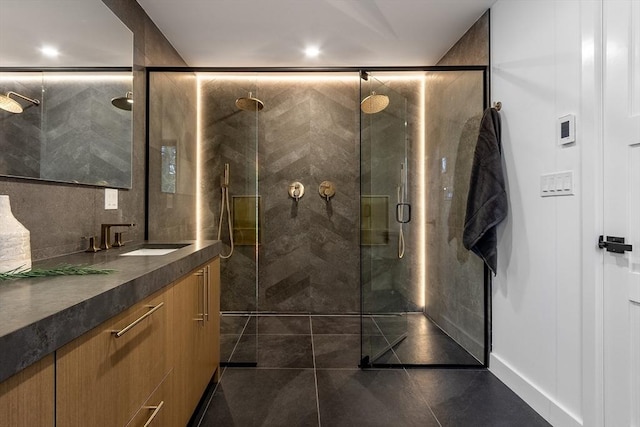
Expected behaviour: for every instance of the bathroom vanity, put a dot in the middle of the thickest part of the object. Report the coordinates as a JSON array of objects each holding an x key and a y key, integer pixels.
[{"x": 139, "y": 344}]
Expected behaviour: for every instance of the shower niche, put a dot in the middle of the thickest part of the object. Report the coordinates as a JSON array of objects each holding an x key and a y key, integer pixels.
[{"x": 377, "y": 244}]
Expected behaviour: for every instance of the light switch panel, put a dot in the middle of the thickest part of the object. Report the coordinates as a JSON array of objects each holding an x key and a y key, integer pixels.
[
  {"x": 110, "y": 198},
  {"x": 557, "y": 184}
]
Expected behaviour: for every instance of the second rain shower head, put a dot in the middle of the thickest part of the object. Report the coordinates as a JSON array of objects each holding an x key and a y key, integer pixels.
[
  {"x": 374, "y": 103},
  {"x": 249, "y": 103},
  {"x": 13, "y": 106},
  {"x": 124, "y": 102}
]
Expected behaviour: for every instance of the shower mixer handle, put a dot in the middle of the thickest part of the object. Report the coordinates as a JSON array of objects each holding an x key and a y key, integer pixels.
[
  {"x": 327, "y": 190},
  {"x": 296, "y": 190}
]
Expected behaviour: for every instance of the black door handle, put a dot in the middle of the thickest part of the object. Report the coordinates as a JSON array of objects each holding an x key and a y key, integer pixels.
[{"x": 614, "y": 244}]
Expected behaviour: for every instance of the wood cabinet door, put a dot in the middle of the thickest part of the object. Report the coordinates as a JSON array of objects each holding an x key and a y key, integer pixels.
[
  {"x": 27, "y": 398},
  {"x": 187, "y": 321},
  {"x": 196, "y": 337},
  {"x": 103, "y": 379}
]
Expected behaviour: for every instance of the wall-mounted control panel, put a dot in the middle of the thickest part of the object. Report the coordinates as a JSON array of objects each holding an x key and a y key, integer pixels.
[
  {"x": 557, "y": 184},
  {"x": 566, "y": 129}
]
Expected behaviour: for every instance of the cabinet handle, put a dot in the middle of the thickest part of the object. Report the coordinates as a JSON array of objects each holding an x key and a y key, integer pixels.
[
  {"x": 206, "y": 293},
  {"x": 127, "y": 328},
  {"x": 201, "y": 292},
  {"x": 156, "y": 409}
]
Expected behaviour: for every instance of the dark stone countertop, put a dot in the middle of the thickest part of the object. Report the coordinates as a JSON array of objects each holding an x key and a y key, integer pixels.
[{"x": 40, "y": 315}]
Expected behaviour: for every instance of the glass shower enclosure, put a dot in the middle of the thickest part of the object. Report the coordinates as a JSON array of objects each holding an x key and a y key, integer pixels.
[
  {"x": 383, "y": 252},
  {"x": 423, "y": 295},
  {"x": 385, "y": 216},
  {"x": 230, "y": 131}
]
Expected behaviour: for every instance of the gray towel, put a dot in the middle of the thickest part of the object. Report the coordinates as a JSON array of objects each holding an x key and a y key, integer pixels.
[{"x": 487, "y": 200}]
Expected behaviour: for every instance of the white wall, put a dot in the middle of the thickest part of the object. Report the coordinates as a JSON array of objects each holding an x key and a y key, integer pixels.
[{"x": 540, "y": 55}]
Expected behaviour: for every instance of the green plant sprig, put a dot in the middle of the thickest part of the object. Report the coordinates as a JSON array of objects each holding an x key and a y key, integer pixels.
[{"x": 60, "y": 270}]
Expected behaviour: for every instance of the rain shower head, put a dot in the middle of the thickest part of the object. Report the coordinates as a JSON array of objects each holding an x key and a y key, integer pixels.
[
  {"x": 124, "y": 102},
  {"x": 374, "y": 103},
  {"x": 249, "y": 103},
  {"x": 13, "y": 106}
]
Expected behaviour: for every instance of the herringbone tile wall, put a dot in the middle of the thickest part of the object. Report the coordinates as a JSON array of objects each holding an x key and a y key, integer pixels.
[{"x": 308, "y": 259}]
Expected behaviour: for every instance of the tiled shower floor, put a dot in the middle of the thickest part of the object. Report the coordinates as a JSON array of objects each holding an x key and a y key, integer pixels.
[
  {"x": 335, "y": 341},
  {"x": 307, "y": 375}
]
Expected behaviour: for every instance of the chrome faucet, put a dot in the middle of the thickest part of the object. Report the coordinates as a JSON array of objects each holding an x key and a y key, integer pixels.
[{"x": 105, "y": 234}]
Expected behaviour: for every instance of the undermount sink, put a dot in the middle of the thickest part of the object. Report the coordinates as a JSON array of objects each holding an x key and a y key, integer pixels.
[
  {"x": 149, "y": 252},
  {"x": 156, "y": 249}
]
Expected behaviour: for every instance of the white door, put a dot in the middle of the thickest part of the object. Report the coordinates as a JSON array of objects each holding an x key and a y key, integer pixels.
[{"x": 621, "y": 169}]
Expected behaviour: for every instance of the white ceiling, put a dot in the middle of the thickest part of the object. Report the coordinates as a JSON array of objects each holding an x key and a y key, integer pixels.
[
  {"x": 86, "y": 33},
  {"x": 274, "y": 33}
]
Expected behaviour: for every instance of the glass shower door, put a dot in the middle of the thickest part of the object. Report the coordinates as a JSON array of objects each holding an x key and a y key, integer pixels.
[
  {"x": 229, "y": 129},
  {"x": 385, "y": 212}
]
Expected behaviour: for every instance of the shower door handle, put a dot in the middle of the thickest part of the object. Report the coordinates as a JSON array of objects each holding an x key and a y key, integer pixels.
[{"x": 400, "y": 213}]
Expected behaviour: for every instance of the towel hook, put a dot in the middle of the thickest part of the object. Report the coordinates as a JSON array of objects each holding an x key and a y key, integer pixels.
[{"x": 497, "y": 105}]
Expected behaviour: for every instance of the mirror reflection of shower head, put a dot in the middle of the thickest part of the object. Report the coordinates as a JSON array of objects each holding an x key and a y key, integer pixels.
[
  {"x": 249, "y": 103},
  {"x": 13, "y": 106},
  {"x": 124, "y": 102},
  {"x": 374, "y": 103}
]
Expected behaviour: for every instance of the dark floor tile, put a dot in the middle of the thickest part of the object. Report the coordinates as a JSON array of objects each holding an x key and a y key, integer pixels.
[
  {"x": 369, "y": 326},
  {"x": 336, "y": 351},
  {"x": 371, "y": 398},
  {"x": 263, "y": 397},
  {"x": 378, "y": 350},
  {"x": 433, "y": 349},
  {"x": 284, "y": 325},
  {"x": 416, "y": 341},
  {"x": 418, "y": 323},
  {"x": 461, "y": 398},
  {"x": 392, "y": 327},
  {"x": 275, "y": 351},
  {"x": 410, "y": 323},
  {"x": 232, "y": 324},
  {"x": 246, "y": 350},
  {"x": 336, "y": 325},
  {"x": 227, "y": 344}
]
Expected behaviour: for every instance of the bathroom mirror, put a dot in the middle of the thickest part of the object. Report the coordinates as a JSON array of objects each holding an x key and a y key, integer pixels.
[{"x": 63, "y": 70}]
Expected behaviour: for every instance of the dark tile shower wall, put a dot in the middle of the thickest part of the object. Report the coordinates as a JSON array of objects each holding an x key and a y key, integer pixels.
[
  {"x": 455, "y": 282},
  {"x": 172, "y": 209},
  {"x": 391, "y": 284},
  {"x": 308, "y": 131},
  {"x": 230, "y": 136}
]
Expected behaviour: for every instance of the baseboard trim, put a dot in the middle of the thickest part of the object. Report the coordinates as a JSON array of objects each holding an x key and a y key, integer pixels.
[{"x": 541, "y": 402}]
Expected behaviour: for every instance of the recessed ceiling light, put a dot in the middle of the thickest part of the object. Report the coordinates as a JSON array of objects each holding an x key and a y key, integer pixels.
[
  {"x": 49, "y": 51},
  {"x": 312, "y": 51}
]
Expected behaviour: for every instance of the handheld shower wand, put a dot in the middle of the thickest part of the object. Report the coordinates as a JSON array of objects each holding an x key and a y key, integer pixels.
[
  {"x": 400, "y": 207},
  {"x": 224, "y": 202}
]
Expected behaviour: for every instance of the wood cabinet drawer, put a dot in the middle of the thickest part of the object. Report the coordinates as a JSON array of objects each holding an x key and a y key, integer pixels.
[
  {"x": 102, "y": 379},
  {"x": 157, "y": 411}
]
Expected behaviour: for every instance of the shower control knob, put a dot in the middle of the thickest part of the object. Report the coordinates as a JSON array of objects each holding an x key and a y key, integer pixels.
[
  {"x": 327, "y": 190},
  {"x": 296, "y": 190}
]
